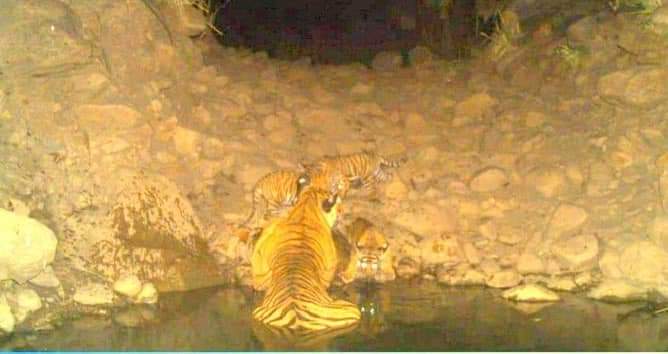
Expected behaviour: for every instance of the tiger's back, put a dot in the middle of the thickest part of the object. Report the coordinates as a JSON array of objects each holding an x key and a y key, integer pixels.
[
  {"x": 363, "y": 170},
  {"x": 294, "y": 260}
]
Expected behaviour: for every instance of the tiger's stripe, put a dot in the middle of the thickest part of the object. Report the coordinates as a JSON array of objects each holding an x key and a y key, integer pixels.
[
  {"x": 274, "y": 193},
  {"x": 363, "y": 170},
  {"x": 294, "y": 261}
]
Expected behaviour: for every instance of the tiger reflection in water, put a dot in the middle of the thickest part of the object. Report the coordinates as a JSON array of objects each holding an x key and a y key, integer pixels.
[{"x": 366, "y": 263}]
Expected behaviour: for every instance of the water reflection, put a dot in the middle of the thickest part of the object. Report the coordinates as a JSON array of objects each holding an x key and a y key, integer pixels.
[{"x": 412, "y": 316}]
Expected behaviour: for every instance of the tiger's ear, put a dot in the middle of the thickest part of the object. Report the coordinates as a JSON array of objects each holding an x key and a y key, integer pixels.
[{"x": 330, "y": 202}]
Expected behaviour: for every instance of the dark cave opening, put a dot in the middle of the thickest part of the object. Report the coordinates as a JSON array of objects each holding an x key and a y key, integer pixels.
[{"x": 344, "y": 31}]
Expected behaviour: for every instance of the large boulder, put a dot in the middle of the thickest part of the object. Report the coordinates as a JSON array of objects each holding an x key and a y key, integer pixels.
[{"x": 26, "y": 246}]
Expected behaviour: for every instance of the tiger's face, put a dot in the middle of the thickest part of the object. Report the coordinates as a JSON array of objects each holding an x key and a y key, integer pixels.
[{"x": 371, "y": 252}]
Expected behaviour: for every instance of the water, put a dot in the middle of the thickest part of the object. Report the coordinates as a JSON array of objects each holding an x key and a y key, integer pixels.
[{"x": 402, "y": 316}]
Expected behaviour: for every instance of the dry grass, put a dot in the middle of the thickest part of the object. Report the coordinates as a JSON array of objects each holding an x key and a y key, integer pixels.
[{"x": 202, "y": 5}]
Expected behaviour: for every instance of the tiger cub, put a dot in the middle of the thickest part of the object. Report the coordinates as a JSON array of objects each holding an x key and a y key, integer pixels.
[
  {"x": 370, "y": 257},
  {"x": 273, "y": 194},
  {"x": 294, "y": 261},
  {"x": 363, "y": 170}
]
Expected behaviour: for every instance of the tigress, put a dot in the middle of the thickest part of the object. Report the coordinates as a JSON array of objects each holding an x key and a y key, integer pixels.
[
  {"x": 363, "y": 170},
  {"x": 274, "y": 193},
  {"x": 294, "y": 261},
  {"x": 369, "y": 254}
]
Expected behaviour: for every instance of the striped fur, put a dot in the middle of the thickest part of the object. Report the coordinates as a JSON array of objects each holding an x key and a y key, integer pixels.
[
  {"x": 363, "y": 170},
  {"x": 274, "y": 193},
  {"x": 294, "y": 261}
]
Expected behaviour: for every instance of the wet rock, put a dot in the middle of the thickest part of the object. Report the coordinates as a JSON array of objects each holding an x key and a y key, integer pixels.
[
  {"x": 504, "y": 279},
  {"x": 407, "y": 268},
  {"x": 7, "y": 321},
  {"x": 386, "y": 61},
  {"x": 577, "y": 253},
  {"x": 488, "y": 179},
  {"x": 476, "y": 106},
  {"x": 567, "y": 219},
  {"x": 23, "y": 301},
  {"x": 530, "y": 293},
  {"x": 617, "y": 290},
  {"x": 129, "y": 286},
  {"x": 548, "y": 181},
  {"x": 46, "y": 279},
  {"x": 645, "y": 262},
  {"x": 637, "y": 87},
  {"x": 26, "y": 247},
  {"x": 657, "y": 230},
  {"x": 93, "y": 294},
  {"x": 102, "y": 118},
  {"x": 561, "y": 283},
  {"x": 530, "y": 263},
  {"x": 148, "y": 294}
]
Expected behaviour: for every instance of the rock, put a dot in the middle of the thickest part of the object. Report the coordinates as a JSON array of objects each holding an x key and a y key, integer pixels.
[
  {"x": 567, "y": 219},
  {"x": 440, "y": 251},
  {"x": 489, "y": 267},
  {"x": 476, "y": 106},
  {"x": 489, "y": 230},
  {"x": 361, "y": 89},
  {"x": 26, "y": 247},
  {"x": 577, "y": 253},
  {"x": 18, "y": 207},
  {"x": 420, "y": 56},
  {"x": 637, "y": 87},
  {"x": 471, "y": 252},
  {"x": 407, "y": 268},
  {"x": 415, "y": 122},
  {"x": 548, "y": 181},
  {"x": 602, "y": 180},
  {"x": 24, "y": 301},
  {"x": 187, "y": 142},
  {"x": 609, "y": 264},
  {"x": 488, "y": 179},
  {"x": 582, "y": 30},
  {"x": 148, "y": 294},
  {"x": 561, "y": 283},
  {"x": 643, "y": 261},
  {"x": 504, "y": 279},
  {"x": 7, "y": 321},
  {"x": 103, "y": 118},
  {"x": 396, "y": 189},
  {"x": 428, "y": 220},
  {"x": 530, "y": 263},
  {"x": 534, "y": 119},
  {"x": 93, "y": 294},
  {"x": 46, "y": 279},
  {"x": 617, "y": 290},
  {"x": 387, "y": 61},
  {"x": 472, "y": 277},
  {"x": 657, "y": 230},
  {"x": 530, "y": 293},
  {"x": 129, "y": 286}
]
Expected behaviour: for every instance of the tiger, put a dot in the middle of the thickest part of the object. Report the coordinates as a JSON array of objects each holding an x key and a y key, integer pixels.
[
  {"x": 363, "y": 170},
  {"x": 274, "y": 193},
  {"x": 294, "y": 261},
  {"x": 368, "y": 254}
]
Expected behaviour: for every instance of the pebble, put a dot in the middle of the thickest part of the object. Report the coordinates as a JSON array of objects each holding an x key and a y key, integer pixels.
[{"x": 530, "y": 293}]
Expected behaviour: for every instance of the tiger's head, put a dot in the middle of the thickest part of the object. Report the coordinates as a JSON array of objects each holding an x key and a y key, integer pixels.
[{"x": 370, "y": 249}]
